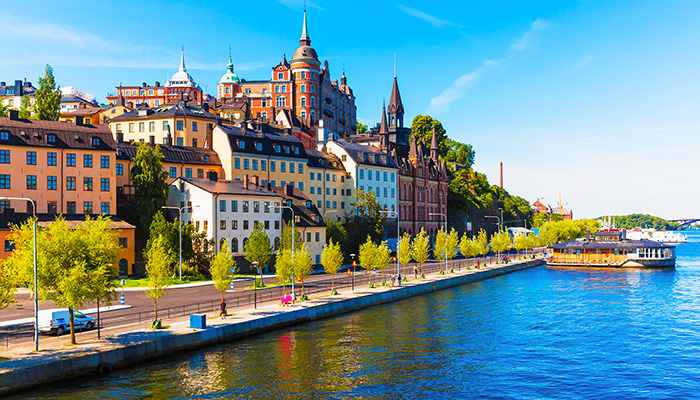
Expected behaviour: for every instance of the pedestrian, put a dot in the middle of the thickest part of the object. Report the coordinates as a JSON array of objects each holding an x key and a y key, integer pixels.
[
  {"x": 399, "y": 278},
  {"x": 294, "y": 298},
  {"x": 223, "y": 309},
  {"x": 415, "y": 272},
  {"x": 392, "y": 279}
]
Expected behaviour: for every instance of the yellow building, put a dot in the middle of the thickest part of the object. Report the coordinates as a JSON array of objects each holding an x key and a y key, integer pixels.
[
  {"x": 327, "y": 184},
  {"x": 308, "y": 220}
]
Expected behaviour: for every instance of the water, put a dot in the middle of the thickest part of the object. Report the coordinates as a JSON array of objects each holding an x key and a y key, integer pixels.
[{"x": 535, "y": 334}]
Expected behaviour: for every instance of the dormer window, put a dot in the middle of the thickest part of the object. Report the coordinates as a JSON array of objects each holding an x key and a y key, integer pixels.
[
  {"x": 366, "y": 158},
  {"x": 289, "y": 203},
  {"x": 95, "y": 141},
  {"x": 4, "y": 135},
  {"x": 51, "y": 138},
  {"x": 308, "y": 203},
  {"x": 258, "y": 146},
  {"x": 241, "y": 144},
  {"x": 277, "y": 148},
  {"x": 296, "y": 150},
  {"x": 205, "y": 158},
  {"x": 286, "y": 149}
]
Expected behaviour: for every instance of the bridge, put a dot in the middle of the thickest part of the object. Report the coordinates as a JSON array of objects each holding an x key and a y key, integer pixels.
[{"x": 685, "y": 222}]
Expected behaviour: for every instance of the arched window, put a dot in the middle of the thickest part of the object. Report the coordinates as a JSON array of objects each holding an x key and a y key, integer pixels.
[
  {"x": 313, "y": 115},
  {"x": 303, "y": 114},
  {"x": 393, "y": 208},
  {"x": 313, "y": 101},
  {"x": 221, "y": 244},
  {"x": 277, "y": 243},
  {"x": 303, "y": 101},
  {"x": 234, "y": 245},
  {"x": 244, "y": 243}
]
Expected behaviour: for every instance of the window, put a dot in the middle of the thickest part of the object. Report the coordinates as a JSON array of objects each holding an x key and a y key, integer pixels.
[
  {"x": 335, "y": 204},
  {"x": 142, "y": 126},
  {"x": 393, "y": 193},
  {"x": 328, "y": 191},
  {"x": 291, "y": 168},
  {"x": 318, "y": 236},
  {"x": 392, "y": 176},
  {"x": 234, "y": 245},
  {"x": 5, "y": 156},
  {"x": 173, "y": 172},
  {"x": 311, "y": 190},
  {"x": 200, "y": 173},
  {"x": 234, "y": 225},
  {"x": 319, "y": 204},
  {"x": 87, "y": 161},
  {"x": 258, "y": 146},
  {"x": 308, "y": 236},
  {"x": 50, "y": 158},
  {"x": 255, "y": 165},
  {"x": 9, "y": 246},
  {"x": 273, "y": 183},
  {"x": 70, "y": 207},
  {"x": 31, "y": 182},
  {"x": 51, "y": 182},
  {"x": 234, "y": 206},
  {"x": 131, "y": 127},
  {"x": 70, "y": 183},
  {"x": 165, "y": 125},
  {"x": 335, "y": 191},
  {"x": 4, "y": 204},
  {"x": 237, "y": 163},
  {"x": 362, "y": 174},
  {"x": 263, "y": 165},
  {"x": 4, "y": 135},
  {"x": 385, "y": 175},
  {"x": 342, "y": 205},
  {"x": 123, "y": 243},
  {"x": 205, "y": 225},
  {"x": 95, "y": 141},
  {"x": 245, "y": 225},
  {"x": 104, "y": 208},
  {"x": 283, "y": 166},
  {"x": 280, "y": 75},
  {"x": 278, "y": 148},
  {"x": 51, "y": 207},
  {"x": 266, "y": 207},
  {"x": 328, "y": 204},
  {"x": 87, "y": 184},
  {"x": 301, "y": 186},
  {"x": 318, "y": 190},
  {"x": 194, "y": 126},
  {"x": 70, "y": 160},
  {"x": 385, "y": 192},
  {"x": 180, "y": 141},
  {"x": 241, "y": 144},
  {"x": 267, "y": 225},
  {"x": 104, "y": 161},
  {"x": 318, "y": 176},
  {"x": 377, "y": 174},
  {"x": 31, "y": 158},
  {"x": 151, "y": 126},
  {"x": 87, "y": 207},
  {"x": 311, "y": 176},
  {"x": 256, "y": 206},
  {"x": 246, "y": 206},
  {"x": 246, "y": 163},
  {"x": 179, "y": 125},
  {"x": 222, "y": 205},
  {"x": 104, "y": 184},
  {"x": 222, "y": 225},
  {"x": 272, "y": 166},
  {"x": 188, "y": 172}
]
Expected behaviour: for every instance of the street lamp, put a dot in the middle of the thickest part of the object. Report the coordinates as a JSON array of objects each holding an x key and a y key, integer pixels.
[
  {"x": 293, "y": 234},
  {"x": 353, "y": 271},
  {"x": 498, "y": 220},
  {"x": 179, "y": 209},
  {"x": 36, "y": 295},
  {"x": 255, "y": 284},
  {"x": 398, "y": 237},
  {"x": 445, "y": 229}
]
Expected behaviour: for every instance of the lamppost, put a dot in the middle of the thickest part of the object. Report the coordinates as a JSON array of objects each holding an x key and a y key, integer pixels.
[
  {"x": 255, "y": 284},
  {"x": 36, "y": 295},
  {"x": 179, "y": 209},
  {"x": 398, "y": 236},
  {"x": 444, "y": 229},
  {"x": 353, "y": 271},
  {"x": 293, "y": 234}
]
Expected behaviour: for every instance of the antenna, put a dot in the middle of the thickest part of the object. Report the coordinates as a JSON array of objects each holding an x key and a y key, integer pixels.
[
  {"x": 394, "y": 65},
  {"x": 229, "y": 51}
]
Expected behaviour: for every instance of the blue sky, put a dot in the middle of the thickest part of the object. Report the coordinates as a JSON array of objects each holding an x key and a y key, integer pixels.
[{"x": 597, "y": 99}]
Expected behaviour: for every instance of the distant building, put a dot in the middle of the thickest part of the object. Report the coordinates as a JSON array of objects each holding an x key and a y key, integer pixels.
[{"x": 11, "y": 95}]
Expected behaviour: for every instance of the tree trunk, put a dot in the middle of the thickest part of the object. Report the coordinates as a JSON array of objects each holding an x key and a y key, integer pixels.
[
  {"x": 302, "y": 288},
  {"x": 98, "y": 318},
  {"x": 332, "y": 282},
  {"x": 222, "y": 295},
  {"x": 155, "y": 309},
  {"x": 72, "y": 326}
]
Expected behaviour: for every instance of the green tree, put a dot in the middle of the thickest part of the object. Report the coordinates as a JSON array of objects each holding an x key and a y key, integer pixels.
[
  {"x": 25, "y": 108},
  {"x": 223, "y": 266},
  {"x": 500, "y": 242},
  {"x": 158, "y": 272},
  {"x": 4, "y": 109},
  {"x": 382, "y": 256},
  {"x": 367, "y": 217},
  {"x": 287, "y": 238},
  {"x": 150, "y": 187},
  {"x": 451, "y": 244},
  {"x": 367, "y": 256},
  {"x": 47, "y": 100},
  {"x": 335, "y": 231},
  {"x": 7, "y": 285},
  {"x": 459, "y": 153},
  {"x": 482, "y": 242},
  {"x": 361, "y": 128},
  {"x": 283, "y": 265},
  {"x": 405, "y": 250},
  {"x": 520, "y": 243},
  {"x": 467, "y": 246},
  {"x": 332, "y": 259},
  {"x": 258, "y": 249},
  {"x": 303, "y": 267},
  {"x": 439, "y": 247},
  {"x": 169, "y": 232},
  {"x": 422, "y": 128},
  {"x": 644, "y": 221},
  {"x": 421, "y": 248}
]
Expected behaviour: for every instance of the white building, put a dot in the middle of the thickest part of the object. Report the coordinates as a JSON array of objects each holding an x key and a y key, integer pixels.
[
  {"x": 227, "y": 210},
  {"x": 369, "y": 169}
]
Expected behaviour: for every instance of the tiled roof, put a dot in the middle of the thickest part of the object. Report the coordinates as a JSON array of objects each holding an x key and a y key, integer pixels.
[
  {"x": 179, "y": 109},
  {"x": 309, "y": 217},
  {"x": 367, "y": 155},
  {"x": 320, "y": 159},
  {"x": 269, "y": 139},
  {"x": 229, "y": 187},
  {"x": 173, "y": 154},
  {"x": 27, "y": 132}
]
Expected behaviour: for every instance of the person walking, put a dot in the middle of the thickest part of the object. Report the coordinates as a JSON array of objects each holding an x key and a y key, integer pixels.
[
  {"x": 222, "y": 308},
  {"x": 399, "y": 278}
]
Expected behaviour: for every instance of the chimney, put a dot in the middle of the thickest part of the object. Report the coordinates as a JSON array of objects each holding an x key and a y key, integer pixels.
[
  {"x": 157, "y": 84},
  {"x": 245, "y": 181},
  {"x": 254, "y": 180},
  {"x": 144, "y": 84},
  {"x": 501, "y": 175},
  {"x": 152, "y": 139},
  {"x": 120, "y": 137},
  {"x": 170, "y": 137},
  {"x": 14, "y": 115},
  {"x": 130, "y": 104},
  {"x": 205, "y": 107},
  {"x": 79, "y": 120},
  {"x": 213, "y": 176},
  {"x": 3, "y": 83},
  {"x": 588, "y": 234},
  {"x": 269, "y": 186},
  {"x": 18, "y": 87},
  {"x": 289, "y": 190}
]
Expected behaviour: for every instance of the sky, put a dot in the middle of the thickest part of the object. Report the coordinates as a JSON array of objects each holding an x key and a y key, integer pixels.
[{"x": 596, "y": 100}]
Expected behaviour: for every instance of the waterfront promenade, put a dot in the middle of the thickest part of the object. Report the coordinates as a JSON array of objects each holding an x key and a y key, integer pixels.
[{"x": 21, "y": 368}]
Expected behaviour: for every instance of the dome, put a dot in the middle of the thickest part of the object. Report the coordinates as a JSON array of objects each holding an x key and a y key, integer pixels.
[
  {"x": 229, "y": 76},
  {"x": 304, "y": 53},
  {"x": 181, "y": 77}
]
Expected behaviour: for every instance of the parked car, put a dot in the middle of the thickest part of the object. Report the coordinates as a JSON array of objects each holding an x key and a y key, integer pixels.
[{"x": 58, "y": 321}]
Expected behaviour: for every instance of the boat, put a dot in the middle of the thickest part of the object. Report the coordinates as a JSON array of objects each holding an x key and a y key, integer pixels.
[
  {"x": 612, "y": 249},
  {"x": 668, "y": 237}
]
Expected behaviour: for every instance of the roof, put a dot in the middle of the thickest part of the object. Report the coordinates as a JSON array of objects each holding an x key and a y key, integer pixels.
[
  {"x": 27, "y": 132},
  {"x": 581, "y": 244},
  {"x": 395, "y": 104},
  {"x": 309, "y": 217},
  {"x": 173, "y": 154},
  {"x": 27, "y": 88},
  {"x": 319, "y": 159},
  {"x": 9, "y": 217},
  {"x": 228, "y": 187},
  {"x": 268, "y": 138},
  {"x": 82, "y": 111},
  {"x": 305, "y": 52},
  {"x": 176, "y": 109},
  {"x": 229, "y": 76},
  {"x": 69, "y": 98},
  {"x": 366, "y": 155}
]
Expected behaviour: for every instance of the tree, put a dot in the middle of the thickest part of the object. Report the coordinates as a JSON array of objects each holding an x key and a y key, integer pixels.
[
  {"x": 169, "y": 232},
  {"x": 439, "y": 247},
  {"x": 258, "y": 249},
  {"x": 405, "y": 250},
  {"x": 332, "y": 260},
  {"x": 520, "y": 242},
  {"x": 422, "y": 128},
  {"x": 25, "y": 108},
  {"x": 367, "y": 255},
  {"x": 222, "y": 269},
  {"x": 335, "y": 231},
  {"x": 361, "y": 128},
  {"x": 459, "y": 153},
  {"x": 158, "y": 272},
  {"x": 8, "y": 278},
  {"x": 283, "y": 265},
  {"x": 467, "y": 246},
  {"x": 482, "y": 242},
  {"x": 500, "y": 242},
  {"x": 287, "y": 238},
  {"x": 451, "y": 244},
  {"x": 303, "y": 266},
  {"x": 3, "y": 110},
  {"x": 421, "y": 247},
  {"x": 367, "y": 217},
  {"x": 150, "y": 187},
  {"x": 47, "y": 103},
  {"x": 382, "y": 256}
]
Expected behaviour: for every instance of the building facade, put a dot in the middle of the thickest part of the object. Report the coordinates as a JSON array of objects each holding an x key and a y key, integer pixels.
[{"x": 11, "y": 95}]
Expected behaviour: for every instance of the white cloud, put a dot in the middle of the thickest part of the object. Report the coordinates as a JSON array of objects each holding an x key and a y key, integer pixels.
[
  {"x": 439, "y": 23},
  {"x": 460, "y": 87},
  {"x": 581, "y": 64}
]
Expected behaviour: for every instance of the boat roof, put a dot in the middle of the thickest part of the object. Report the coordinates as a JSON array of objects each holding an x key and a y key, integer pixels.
[{"x": 609, "y": 244}]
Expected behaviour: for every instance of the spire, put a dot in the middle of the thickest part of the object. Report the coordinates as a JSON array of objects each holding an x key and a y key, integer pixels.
[
  {"x": 383, "y": 127},
  {"x": 433, "y": 146},
  {"x": 395, "y": 105},
  {"x": 305, "y": 39},
  {"x": 413, "y": 151}
]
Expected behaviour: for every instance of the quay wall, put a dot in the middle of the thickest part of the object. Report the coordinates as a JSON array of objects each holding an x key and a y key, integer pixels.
[{"x": 143, "y": 346}]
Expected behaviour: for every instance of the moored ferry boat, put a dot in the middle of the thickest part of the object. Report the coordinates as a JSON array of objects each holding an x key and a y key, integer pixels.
[
  {"x": 657, "y": 236},
  {"x": 612, "y": 249}
]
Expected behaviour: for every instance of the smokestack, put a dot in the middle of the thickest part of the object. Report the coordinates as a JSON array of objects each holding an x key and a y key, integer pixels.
[{"x": 501, "y": 175}]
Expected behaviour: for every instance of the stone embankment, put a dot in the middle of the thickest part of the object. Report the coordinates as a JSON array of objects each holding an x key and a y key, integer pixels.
[{"x": 23, "y": 371}]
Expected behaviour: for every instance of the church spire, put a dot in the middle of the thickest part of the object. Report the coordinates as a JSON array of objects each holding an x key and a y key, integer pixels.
[
  {"x": 305, "y": 39},
  {"x": 383, "y": 126},
  {"x": 182, "y": 60},
  {"x": 395, "y": 107},
  {"x": 433, "y": 146}
]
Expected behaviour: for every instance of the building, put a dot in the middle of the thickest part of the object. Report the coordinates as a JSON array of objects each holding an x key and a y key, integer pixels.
[
  {"x": 308, "y": 220},
  {"x": 180, "y": 124},
  {"x": 327, "y": 184},
  {"x": 11, "y": 95},
  {"x": 228, "y": 210},
  {"x": 179, "y": 85},
  {"x": 300, "y": 85},
  {"x": 541, "y": 206},
  {"x": 65, "y": 168}
]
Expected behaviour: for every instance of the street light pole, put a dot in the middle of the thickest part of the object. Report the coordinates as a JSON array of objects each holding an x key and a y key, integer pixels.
[
  {"x": 353, "y": 271},
  {"x": 36, "y": 285},
  {"x": 293, "y": 234},
  {"x": 255, "y": 284},
  {"x": 179, "y": 209},
  {"x": 445, "y": 230},
  {"x": 398, "y": 236}
]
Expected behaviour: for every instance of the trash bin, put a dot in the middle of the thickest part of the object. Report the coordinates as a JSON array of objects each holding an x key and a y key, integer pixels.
[{"x": 198, "y": 321}]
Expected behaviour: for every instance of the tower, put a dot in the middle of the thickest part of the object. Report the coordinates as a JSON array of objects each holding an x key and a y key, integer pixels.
[
  {"x": 305, "y": 78},
  {"x": 398, "y": 134}
]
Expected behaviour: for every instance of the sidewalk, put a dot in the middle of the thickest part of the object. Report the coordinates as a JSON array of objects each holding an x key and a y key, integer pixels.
[{"x": 89, "y": 311}]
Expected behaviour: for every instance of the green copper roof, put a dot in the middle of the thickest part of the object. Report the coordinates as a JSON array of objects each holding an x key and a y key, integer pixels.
[{"x": 229, "y": 76}]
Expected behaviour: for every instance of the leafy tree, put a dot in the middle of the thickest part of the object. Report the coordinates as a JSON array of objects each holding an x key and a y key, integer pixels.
[
  {"x": 520, "y": 242},
  {"x": 644, "y": 221},
  {"x": 170, "y": 234},
  {"x": 7, "y": 286},
  {"x": 332, "y": 260},
  {"x": 283, "y": 265},
  {"x": 439, "y": 247},
  {"x": 367, "y": 217},
  {"x": 258, "y": 249},
  {"x": 451, "y": 244},
  {"x": 467, "y": 246},
  {"x": 459, "y": 153},
  {"x": 542, "y": 218},
  {"x": 287, "y": 238},
  {"x": 158, "y": 272},
  {"x": 482, "y": 243},
  {"x": 500, "y": 242},
  {"x": 561, "y": 231},
  {"x": 405, "y": 250},
  {"x": 422, "y": 128},
  {"x": 382, "y": 256},
  {"x": 25, "y": 108},
  {"x": 335, "y": 232},
  {"x": 421, "y": 248},
  {"x": 222, "y": 269},
  {"x": 367, "y": 255},
  {"x": 150, "y": 187},
  {"x": 361, "y": 128},
  {"x": 533, "y": 241},
  {"x": 47, "y": 102},
  {"x": 303, "y": 266},
  {"x": 3, "y": 109}
]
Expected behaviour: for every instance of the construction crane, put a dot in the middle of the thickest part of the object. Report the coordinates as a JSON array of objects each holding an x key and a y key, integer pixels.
[{"x": 561, "y": 206}]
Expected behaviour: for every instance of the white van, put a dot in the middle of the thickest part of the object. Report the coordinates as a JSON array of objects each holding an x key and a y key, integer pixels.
[{"x": 58, "y": 321}]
